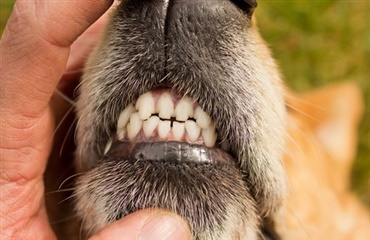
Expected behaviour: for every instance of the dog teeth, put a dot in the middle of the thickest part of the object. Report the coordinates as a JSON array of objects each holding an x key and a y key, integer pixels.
[
  {"x": 178, "y": 130},
  {"x": 124, "y": 117},
  {"x": 184, "y": 109},
  {"x": 164, "y": 127},
  {"x": 121, "y": 133},
  {"x": 150, "y": 125},
  {"x": 209, "y": 136},
  {"x": 203, "y": 120},
  {"x": 165, "y": 106},
  {"x": 145, "y": 105},
  {"x": 134, "y": 126},
  {"x": 108, "y": 146},
  {"x": 154, "y": 114},
  {"x": 192, "y": 130}
]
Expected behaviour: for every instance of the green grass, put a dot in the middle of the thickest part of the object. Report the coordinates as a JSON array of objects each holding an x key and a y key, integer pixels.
[
  {"x": 5, "y": 9},
  {"x": 321, "y": 42},
  {"x": 316, "y": 43}
]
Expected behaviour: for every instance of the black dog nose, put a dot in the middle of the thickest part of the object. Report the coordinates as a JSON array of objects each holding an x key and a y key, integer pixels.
[{"x": 246, "y": 6}]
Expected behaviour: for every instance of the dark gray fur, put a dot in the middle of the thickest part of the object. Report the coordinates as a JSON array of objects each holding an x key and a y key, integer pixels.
[{"x": 212, "y": 52}]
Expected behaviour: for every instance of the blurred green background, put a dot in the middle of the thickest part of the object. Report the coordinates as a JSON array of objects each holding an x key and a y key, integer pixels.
[{"x": 316, "y": 43}]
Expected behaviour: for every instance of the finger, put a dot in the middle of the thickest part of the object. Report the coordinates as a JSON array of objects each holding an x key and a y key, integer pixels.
[
  {"x": 84, "y": 45},
  {"x": 35, "y": 48},
  {"x": 82, "y": 48},
  {"x": 147, "y": 225}
]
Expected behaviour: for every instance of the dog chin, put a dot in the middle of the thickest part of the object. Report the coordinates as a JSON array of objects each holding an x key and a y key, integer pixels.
[{"x": 212, "y": 197}]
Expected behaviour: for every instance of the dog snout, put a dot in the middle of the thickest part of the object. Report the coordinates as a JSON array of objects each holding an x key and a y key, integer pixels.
[{"x": 210, "y": 52}]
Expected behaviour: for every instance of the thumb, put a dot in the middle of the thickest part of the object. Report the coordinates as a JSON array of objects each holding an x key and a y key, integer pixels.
[{"x": 145, "y": 225}]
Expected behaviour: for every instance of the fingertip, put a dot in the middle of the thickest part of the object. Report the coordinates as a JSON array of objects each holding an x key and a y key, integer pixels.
[
  {"x": 71, "y": 19},
  {"x": 147, "y": 224},
  {"x": 166, "y": 226}
]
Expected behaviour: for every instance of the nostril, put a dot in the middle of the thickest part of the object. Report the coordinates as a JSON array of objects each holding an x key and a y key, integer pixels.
[{"x": 246, "y": 6}]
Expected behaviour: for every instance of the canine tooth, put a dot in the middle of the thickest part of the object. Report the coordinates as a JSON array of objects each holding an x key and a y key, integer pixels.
[
  {"x": 165, "y": 106},
  {"x": 150, "y": 125},
  {"x": 125, "y": 116},
  {"x": 164, "y": 128},
  {"x": 178, "y": 130},
  {"x": 121, "y": 133},
  {"x": 134, "y": 126},
  {"x": 184, "y": 109},
  {"x": 202, "y": 118},
  {"x": 209, "y": 136},
  {"x": 145, "y": 105},
  {"x": 108, "y": 146},
  {"x": 192, "y": 130}
]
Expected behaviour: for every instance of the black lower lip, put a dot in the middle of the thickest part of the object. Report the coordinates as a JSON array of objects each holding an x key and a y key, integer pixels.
[{"x": 169, "y": 151}]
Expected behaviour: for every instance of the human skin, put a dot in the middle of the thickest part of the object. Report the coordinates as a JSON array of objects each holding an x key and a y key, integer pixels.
[{"x": 35, "y": 48}]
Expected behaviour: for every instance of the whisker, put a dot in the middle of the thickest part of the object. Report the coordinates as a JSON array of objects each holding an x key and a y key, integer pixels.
[
  {"x": 66, "y": 136},
  {"x": 303, "y": 156},
  {"x": 59, "y": 191},
  {"x": 65, "y": 97},
  {"x": 68, "y": 198},
  {"x": 303, "y": 113},
  {"x": 70, "y": 177},
  {"x": 308, "y": 103},
  {"x": 64, "y": 220},
  {"x": 78, "y": 87}
]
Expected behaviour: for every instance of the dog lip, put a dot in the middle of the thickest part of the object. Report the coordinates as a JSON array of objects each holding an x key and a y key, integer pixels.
[{"x": 171, "y": 151}]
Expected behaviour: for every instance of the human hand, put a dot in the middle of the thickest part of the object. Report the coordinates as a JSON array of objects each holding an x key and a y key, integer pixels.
[{"x": 35, "y": 48}]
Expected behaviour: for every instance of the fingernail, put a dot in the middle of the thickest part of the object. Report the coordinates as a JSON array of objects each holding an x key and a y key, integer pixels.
[{"x": 165, "y": 227}]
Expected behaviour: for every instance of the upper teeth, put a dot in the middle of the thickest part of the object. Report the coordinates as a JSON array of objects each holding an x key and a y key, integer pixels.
[
  {"x": 158, "y": 111},
  {"x": 124, "y": 117},
  {"x": 184, "y": 109},
  {"x": 107, "y": 146},
  {"x": 203, "y": 120},
  {"x": 145, "y": 105},
  {"x": 165, "y": 107}
]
